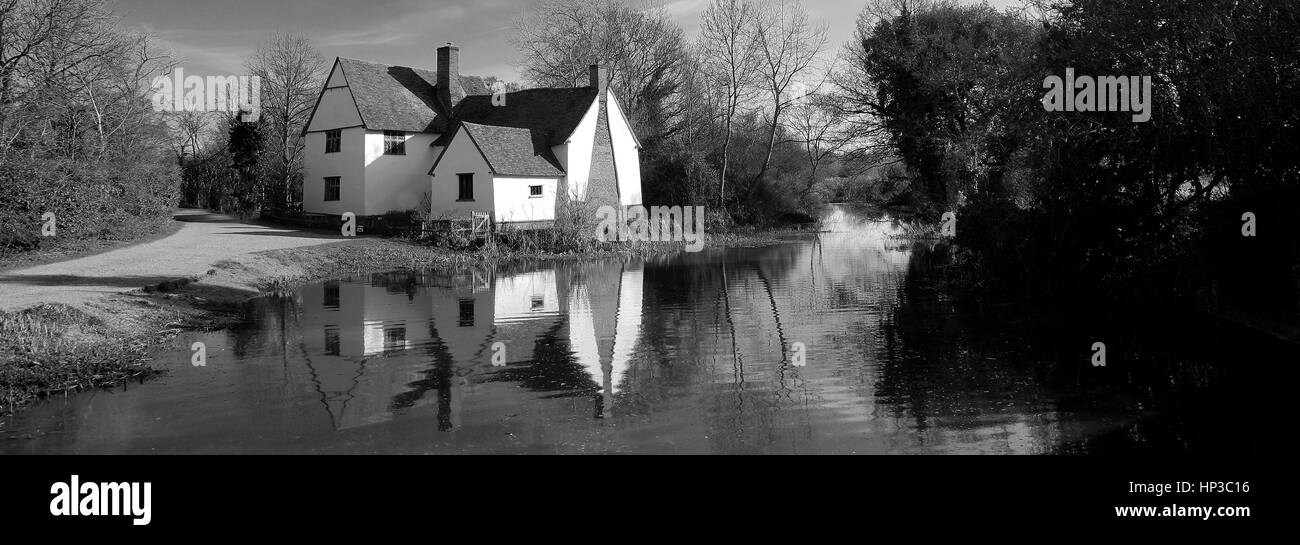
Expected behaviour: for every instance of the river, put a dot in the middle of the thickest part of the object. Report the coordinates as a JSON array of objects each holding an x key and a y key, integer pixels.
[{"x": 839, "y": 342}]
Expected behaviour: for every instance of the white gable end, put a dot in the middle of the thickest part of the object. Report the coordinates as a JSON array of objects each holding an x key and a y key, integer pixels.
[
  {"x": 336, "y": 109},
  {"x": 337, "y": 78},
  {"x": 627, "y": 162},
  {"x": 460, "y": 156},
  {"x": 578, "y": 150}
]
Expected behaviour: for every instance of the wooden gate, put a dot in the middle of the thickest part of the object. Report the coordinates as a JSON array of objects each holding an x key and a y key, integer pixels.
[{"x": 478, "y": 225}]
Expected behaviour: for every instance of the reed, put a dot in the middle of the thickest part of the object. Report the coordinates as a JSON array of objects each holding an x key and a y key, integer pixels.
[{"x": 51, "y": 348}]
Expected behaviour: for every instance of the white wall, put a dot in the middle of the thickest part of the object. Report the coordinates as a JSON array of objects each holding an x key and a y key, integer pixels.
[
  {"x": 396, "y": 182},
  {"x": 627, "y": 160},
  {"x": 577, "y": 152},
  {"x": 514, "y": 204},
  {"x": 467, "y": 344},
  {"x": 347, "y": 164},
  {"x": 336, "y": 110},
  {"x": 628, "y": 326},
  {"x": 371, "y": 183},
  {"x": 461, "y": 156},
  {"x": 515, "y": 295},
  {"x": 360, "y": 394},
  {"x": 337, "y": 77}
]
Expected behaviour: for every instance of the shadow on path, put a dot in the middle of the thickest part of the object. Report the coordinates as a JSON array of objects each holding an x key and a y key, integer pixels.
[
  {"x": 278, "y": 231},
  {"x": 75, "y": 280},
  {"x": 205, "y": 217}
]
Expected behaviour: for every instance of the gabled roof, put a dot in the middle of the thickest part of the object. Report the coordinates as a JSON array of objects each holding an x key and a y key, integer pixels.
[
  {"x": 555, "y": 113},
  {"x": 509, "y": 151},
  {"x": 400, "y": 98}
]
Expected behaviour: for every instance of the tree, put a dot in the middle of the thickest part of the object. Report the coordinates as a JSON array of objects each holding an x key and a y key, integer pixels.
[
  {"x": 788, "y": 48},
  {"x": 70, "y": 80},
  {"x": 291, "y": 73},
  {"x": 77, "y": 134},
  {"x": 246, "y": 145},
  {"x": 944, "y": 82},
  {"x": 816, "y": 125},
  {"x": 642, "y": 50},
  {"x": 730, "y": 60},
  {"x": 188, "y": 131}
]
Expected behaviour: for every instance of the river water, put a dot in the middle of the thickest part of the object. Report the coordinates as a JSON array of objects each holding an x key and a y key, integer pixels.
[{"x": 833, "y": 343}]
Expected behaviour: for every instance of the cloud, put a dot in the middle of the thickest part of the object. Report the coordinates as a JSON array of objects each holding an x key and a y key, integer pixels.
[{"x": 682, "y": 8}]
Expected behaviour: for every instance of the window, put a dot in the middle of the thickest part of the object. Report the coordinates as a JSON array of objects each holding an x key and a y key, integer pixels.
[
  {"x": 332, "y": 139},
  {"x": 466, "y": 313},
  {"x": 538, "y": 303},
  {"x": 466, "y": 186},
  {"x": 331, "y": 188},
  {"x": 394, "y": 143},
  {"x": 534, "y": 191},
  {"x": 394, "y": 338},
  {"x": 331, "y": 340},
  {"x": 331, "y": 295}
]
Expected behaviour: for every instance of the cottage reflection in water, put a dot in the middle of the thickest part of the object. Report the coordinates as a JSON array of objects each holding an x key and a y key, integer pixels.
[{"x": 404, "y": 340}]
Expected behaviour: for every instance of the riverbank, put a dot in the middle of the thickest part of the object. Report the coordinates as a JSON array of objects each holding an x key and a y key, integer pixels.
[{"x": 54, "y": 348}]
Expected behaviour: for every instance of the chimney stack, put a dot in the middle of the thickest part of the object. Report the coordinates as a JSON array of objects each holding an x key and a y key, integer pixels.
[
  {"x": 599, "y": 79},
  {"x": 449, "y": 90}
]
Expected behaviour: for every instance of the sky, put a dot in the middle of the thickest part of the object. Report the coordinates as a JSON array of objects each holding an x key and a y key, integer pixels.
[{"x": 213, "y": 37}]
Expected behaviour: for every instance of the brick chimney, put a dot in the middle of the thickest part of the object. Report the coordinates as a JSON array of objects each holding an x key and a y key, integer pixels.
[
  {"x": 599, "y": 79},
  {"x": 449, "y": 90}
]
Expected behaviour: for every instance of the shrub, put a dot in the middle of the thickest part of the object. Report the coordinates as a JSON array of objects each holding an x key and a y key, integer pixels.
[{"x": 94, "y": 201}]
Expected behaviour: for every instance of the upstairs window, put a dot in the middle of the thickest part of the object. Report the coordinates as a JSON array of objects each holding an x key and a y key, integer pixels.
[
  {"x": 332, "y": 139},
  {"x": 331, "y": 188},
  {"x": 394, "y": 143},
  {"x": 466, "y": 181},
  {"x": 534, "y": 191}
]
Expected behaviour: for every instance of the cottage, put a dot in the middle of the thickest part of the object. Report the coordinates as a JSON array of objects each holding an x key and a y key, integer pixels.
[{"x": 384, "y": 138}]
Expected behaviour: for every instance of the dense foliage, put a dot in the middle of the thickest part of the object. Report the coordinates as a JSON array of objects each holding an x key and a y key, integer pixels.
[
  {"x": 78, "y": 138},
  {"x": 1087, "y": 203}
]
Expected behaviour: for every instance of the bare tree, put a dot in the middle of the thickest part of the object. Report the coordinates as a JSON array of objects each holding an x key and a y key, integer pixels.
[
  {"x": 817, "y": 126},
  {"x": 47, "y": 47},
  {"x": 730, "y": 59},
  {"x": 789, "y": 47},
  {"x": 292, "y": 73},
  {"x": 696, "y": 110},
  {"x": 78, "y": 134},
  {"x": 116, "y": 94},
  {"x": 190, "y": 131},
  {"x": 642, "y": 49}
]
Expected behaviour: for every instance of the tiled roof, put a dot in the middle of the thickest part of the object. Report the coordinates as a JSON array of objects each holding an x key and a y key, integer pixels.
[
  {"x": 513, "y": 151},
  {"x": 515, "y": 137},
  {"x": 552, "y": 112},
  {"x": 400, "y": 98}
]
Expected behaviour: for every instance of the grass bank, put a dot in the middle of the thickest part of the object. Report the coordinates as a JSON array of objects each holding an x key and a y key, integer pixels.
[{"x": 56, "y": 349}]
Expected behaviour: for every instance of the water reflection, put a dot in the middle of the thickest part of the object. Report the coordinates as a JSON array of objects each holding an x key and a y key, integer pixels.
[
  {"x": 380, "y": 345},
  {"x": 688, "y": 353}
]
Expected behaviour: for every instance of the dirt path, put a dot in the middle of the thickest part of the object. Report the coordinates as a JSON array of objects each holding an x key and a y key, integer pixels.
[{"x": 203, "y": 240}]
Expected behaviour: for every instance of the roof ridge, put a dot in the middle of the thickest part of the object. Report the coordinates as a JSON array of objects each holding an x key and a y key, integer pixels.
[{"x": 377, "y": 63}]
